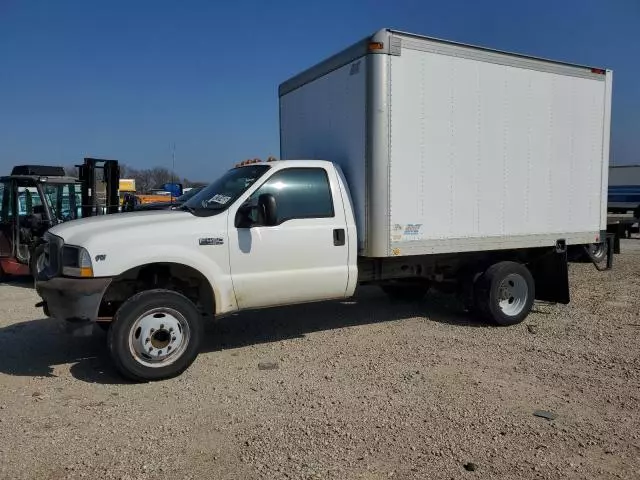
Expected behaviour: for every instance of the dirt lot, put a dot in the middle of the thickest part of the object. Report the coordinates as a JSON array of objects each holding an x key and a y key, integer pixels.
[{"x": 363, "y": 390}]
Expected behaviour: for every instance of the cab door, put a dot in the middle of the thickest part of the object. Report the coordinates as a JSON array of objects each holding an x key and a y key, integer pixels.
[{"x": 304, "y": 256}]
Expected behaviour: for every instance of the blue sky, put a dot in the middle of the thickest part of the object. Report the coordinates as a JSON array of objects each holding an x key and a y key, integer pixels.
[{"x": 125, "y": 79}]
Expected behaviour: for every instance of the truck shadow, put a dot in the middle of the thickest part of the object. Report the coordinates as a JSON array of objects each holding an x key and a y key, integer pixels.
[
  {"x": 35, "y": 348},
  {"x": 272, "y": 325}
]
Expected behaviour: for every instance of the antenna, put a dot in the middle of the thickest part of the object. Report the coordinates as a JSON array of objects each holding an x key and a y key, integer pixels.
[
  {"x": 173, "y": 161},
  {"x": 173, "y": 166}
]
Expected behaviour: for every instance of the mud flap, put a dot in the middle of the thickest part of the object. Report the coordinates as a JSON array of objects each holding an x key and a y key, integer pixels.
[
  {"x": 551, "y": 275},
  {"x": 617, "y": 231}
]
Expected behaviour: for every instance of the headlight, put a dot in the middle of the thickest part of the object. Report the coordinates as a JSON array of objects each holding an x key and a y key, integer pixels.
[{"x": 76, "y": 262}]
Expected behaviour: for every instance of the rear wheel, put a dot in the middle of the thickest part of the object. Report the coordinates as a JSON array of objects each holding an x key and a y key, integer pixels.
[
  {"x": 155, "y": 335},
  {"x": 598, "y": 252},
  {"x": 505, "y": 293}
]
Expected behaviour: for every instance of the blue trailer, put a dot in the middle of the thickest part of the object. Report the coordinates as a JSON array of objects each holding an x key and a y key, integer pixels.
[
  {"x": 624, "y": 189},
  {"x": 623, "y": 202}
]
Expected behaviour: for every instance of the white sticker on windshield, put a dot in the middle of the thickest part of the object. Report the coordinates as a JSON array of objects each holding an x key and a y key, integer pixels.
[{"x": 221, "y": 199}]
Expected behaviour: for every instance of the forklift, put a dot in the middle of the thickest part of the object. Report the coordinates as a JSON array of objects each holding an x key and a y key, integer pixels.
[{"x": 34, "y": 198}]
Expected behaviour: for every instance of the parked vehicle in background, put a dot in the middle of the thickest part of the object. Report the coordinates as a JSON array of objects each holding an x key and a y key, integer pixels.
[
  {"x": 623, "y": 202},
  {"x": 35, "y": 197},
  {"x": 172, "y": 203},
  {"x": 127, "y": 185},
  {"x": 624, "y": 189},
  {"x": 166, "y": 196},
  {"x": 32, "y": 199},
  {"x": 421, "y": 164}
]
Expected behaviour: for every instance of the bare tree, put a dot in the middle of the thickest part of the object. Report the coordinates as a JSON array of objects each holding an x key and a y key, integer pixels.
[
  {"x": 188, "y": 183},
  {"x": 126, "y": 171},
  {"x": 160, "y": 176},
  {"x": 144, "y": 180},
  {"x": 70, "y": 171},
  {"x": 148, "y": 178}
]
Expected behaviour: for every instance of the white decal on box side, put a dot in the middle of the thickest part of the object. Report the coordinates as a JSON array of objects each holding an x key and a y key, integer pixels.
[{"x": 409, "y": 231}]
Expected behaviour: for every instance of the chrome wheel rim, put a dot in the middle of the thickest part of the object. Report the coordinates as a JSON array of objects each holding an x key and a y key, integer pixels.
[
  {"x": 597, "y": 249},
  {"x": 159, "y": 337},
  {"x": 513, "y": 294}
]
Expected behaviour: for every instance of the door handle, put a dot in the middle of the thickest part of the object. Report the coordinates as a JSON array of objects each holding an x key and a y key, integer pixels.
[{"x": 339, "y": 237}]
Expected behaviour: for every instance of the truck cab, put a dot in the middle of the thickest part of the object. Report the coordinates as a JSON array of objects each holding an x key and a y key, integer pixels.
[{"x": 264, "y": 234}]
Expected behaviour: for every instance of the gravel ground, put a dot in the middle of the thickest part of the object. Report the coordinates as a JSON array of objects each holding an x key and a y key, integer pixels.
[{"x": 362, "y": 390}]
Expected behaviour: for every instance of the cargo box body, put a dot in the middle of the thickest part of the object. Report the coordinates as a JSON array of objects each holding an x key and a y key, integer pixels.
[{"x": 454, "y": 148}]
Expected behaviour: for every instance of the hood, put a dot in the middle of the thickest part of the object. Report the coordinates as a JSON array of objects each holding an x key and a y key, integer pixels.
[
  {"x": 157, "y": 206},
  {"x": 80, "y": 232},
  {"x": 122, "y": 241}
]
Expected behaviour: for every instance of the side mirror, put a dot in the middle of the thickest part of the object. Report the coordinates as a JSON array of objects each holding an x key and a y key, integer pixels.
[
  {"x": 268, "y": 209},
  {"x": 243, "y": 217}
]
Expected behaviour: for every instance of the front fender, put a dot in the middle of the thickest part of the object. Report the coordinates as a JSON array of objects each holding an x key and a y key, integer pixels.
[{"x": 215, "y": 270}]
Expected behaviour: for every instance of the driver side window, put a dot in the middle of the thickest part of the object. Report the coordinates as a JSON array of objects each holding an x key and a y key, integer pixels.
[
  {"x": 28, "y": 198},
  {"x": 299, "y": 193}
]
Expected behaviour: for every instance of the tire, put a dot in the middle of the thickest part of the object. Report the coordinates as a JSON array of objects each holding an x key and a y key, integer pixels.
[
  {"x": 505, "y": 293},
  {"x": 598, "y": 251},
  {"x": 405, "y": 293},
  {"x": 155, "y": 335}
]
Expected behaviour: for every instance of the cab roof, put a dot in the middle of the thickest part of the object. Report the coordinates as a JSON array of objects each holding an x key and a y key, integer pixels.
[
  {"x": 39, "y": 170},
  {"x": 41, "y": 178}
]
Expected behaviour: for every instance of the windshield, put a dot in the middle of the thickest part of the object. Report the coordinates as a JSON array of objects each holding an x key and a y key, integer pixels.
[
  {"x": 224, "y": 191},
  {"x": 186, "y": 196},
  {"x": 64, "y": 200}
]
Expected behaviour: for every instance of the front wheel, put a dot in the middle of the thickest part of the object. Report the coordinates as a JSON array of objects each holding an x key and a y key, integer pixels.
[
  {"x": 505, "y": 293},
  {"x": 155, "y": 335}
]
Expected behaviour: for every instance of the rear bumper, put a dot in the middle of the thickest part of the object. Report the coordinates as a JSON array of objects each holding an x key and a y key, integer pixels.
[{"x": 72, "y": 298}]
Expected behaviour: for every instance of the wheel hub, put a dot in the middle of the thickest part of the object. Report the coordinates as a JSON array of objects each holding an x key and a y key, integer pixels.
[
  {"x": 512, "y": 294},
  {"x": 158, "y": 337},
  {"x": 161, "y": 339}
]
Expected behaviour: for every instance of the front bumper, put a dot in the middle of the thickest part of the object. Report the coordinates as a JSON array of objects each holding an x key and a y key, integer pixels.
[{"x": 72, "y": 298}]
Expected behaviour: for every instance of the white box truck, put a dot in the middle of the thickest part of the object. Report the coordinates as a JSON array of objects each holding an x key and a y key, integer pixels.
[{"x": 410, "y": 163}]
